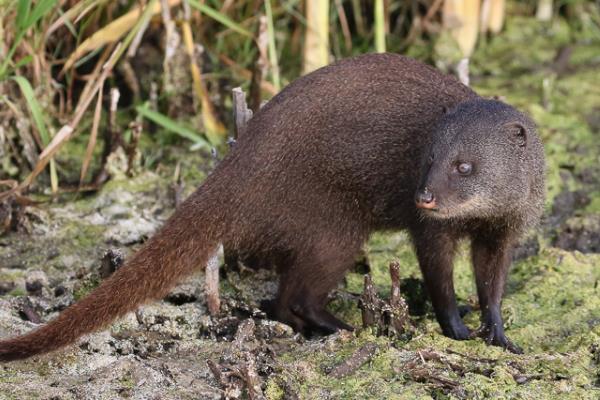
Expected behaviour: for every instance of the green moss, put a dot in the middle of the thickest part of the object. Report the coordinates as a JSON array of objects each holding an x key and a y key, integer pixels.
[
  {"x": 594, "y": 206},
  {"x": 16, "y": 292},
  {"x": 86, "y": 286},
  {"x": 274, "y": 391}
]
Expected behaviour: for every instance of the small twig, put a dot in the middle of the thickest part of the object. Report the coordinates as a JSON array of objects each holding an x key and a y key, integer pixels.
[
  {"x": 355, "y": 361},
  {"x": 462, "y": 71},
  {"x": 244, "y": 333},
  {"x": 522, "y": 379},
  {"x": 399, "y": 319},
  {"x": 261, "y": 64},
  {"x": 177, "y": 186},
  {"x": 425, "y": 376},
  {"x": 211, "y": 282},
  {"x": 241, "y": 112},
  {"x": 130, "y": 77},
  {"x": 252, "y": 379},
  {"x": 369, "y": 303},
  {"x": 390, "y": 318},
  {"x": 131, "y": 147},
  {"x": 216, "y": 371},
  {"x": 432, "y": 355},
  {"x": 468, "y": 357},
  {"x": 29, "y": 314},
  {"x": 432, "y": 10}
]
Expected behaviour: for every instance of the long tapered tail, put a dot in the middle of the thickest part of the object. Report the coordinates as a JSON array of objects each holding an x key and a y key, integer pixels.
[{"x": 183, "y": 245}]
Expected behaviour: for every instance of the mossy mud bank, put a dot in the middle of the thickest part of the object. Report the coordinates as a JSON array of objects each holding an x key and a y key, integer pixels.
[{"x": 551, "y": 307}]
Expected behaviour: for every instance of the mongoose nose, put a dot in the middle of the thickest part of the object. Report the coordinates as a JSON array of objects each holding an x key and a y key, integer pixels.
[{"x": 425, "y": 199}]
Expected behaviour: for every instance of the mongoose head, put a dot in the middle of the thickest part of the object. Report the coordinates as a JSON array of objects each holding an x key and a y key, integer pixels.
[{"x": 484, "y": 160}]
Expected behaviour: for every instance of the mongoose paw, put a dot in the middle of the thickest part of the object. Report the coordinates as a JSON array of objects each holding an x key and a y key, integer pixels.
[
  {"x": 305, "y": 319},
  {"x": 452, "y": 325},
  {"x": 457, "y": 330},
  {"x": 493, "y": 335},
  {"x": 319, "y": 320}
]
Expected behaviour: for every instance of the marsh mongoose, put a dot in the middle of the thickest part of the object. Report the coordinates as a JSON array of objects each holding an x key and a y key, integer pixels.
[{"x": 375, "y": 142}]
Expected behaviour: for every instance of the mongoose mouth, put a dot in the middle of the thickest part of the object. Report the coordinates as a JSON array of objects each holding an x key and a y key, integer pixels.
[{"x": 425, "y": 199}]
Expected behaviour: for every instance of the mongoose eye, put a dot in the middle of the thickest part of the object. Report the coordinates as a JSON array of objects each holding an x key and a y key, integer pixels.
[
  {"x": 430, "y": 159},
  {"x": 464, "y": 168}
]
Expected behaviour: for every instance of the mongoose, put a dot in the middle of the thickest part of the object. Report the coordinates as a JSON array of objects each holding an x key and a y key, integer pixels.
[{"x": 375, "y": 142}]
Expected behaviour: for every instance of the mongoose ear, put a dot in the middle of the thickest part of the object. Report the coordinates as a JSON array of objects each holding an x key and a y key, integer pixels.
[
  {"x": 517, "y": 134},
  {"x": 445, "y": 109}
]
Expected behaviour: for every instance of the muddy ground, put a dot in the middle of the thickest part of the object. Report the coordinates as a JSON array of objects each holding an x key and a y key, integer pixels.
[{"x": 173, "y": 350}]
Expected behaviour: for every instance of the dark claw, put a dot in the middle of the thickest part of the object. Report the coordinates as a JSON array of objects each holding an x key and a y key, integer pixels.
[{"x": 493, "y": 335}]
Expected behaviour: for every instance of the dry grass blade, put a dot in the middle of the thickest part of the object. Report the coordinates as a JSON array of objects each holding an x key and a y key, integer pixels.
[
  {"x": 215, "y": 130},
  {"x": 67, "y": 130},
  {"x": 344, "y": 23},
  {"x": 246, "y": 73},
  {"x": 261, "y": 64},
  {"x": 78, "y": 11},
  {"x": 112, "y": 32},
  {"x": 93, "y": 135},
  {"x": 272, "y": 49}
]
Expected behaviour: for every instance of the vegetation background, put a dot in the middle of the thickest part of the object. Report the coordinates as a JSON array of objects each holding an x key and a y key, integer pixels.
[{"x": 112, "y": 111}]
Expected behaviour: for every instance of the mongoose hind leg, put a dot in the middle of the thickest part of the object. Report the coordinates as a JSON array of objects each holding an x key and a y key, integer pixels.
[
  {"x": 435, "y": 249},
  {"x": 492, "y": 253},
  {"x": 304, "y": 286}
]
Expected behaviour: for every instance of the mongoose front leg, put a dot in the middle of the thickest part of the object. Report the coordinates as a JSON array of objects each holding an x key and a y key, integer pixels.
[
  {"x": 491, "y": 261},
  {"x": 435, "y": 252}
]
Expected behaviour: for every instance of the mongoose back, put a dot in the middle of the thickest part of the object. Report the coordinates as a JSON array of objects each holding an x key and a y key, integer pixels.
[{"x": 375, "y": 142}]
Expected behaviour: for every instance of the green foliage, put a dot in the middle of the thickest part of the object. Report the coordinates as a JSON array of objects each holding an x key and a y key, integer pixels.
[
  {"x": 173, "y": 126},
  {"x": 26, "y": 19}
]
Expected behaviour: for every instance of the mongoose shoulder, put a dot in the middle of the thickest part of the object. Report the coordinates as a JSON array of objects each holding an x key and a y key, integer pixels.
[{"x": 375, "y": 142}]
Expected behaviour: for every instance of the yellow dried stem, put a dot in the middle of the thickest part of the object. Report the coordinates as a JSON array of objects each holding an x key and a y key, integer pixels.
[
  {"x": 112, "y": 32},
  {"x": 215, "y": 130},
  {"x": 316, "y": 38},
  {"x": 497, "y": 12},
  {"x": 492, "y": 16},
  {"x": 461, "y": 18},
  {"x": 544, "y": 10}
]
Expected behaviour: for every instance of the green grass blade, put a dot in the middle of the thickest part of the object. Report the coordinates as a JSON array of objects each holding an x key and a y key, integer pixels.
[
  {"x": 38, "y": 119},
  {"x": 40, "y": 9},
  {"x": 217, "y": 16},
  {"x": 23, "y": 8},
  {"x": 172, "y": 126},
  {"x": 23, "y": 61},
  {"x": 34, "y": 108}
]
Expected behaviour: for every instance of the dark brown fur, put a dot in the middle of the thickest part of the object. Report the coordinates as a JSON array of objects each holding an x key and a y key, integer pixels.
[{"x": 336, "y": 155}]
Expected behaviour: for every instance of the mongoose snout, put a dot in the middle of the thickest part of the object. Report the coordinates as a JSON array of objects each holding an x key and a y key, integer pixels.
[{"x": 425, "y": 199}]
